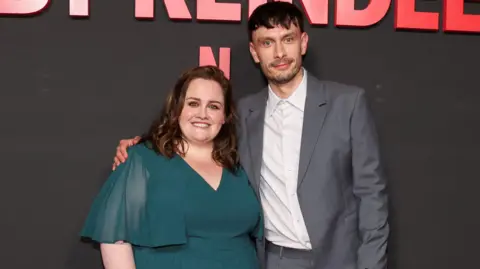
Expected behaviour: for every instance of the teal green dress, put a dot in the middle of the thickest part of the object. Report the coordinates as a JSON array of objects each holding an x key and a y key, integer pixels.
[{"x": 173, "y": 218}]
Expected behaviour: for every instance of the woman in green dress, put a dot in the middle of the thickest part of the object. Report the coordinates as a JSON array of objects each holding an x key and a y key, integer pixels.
[{"x": 181, "y": 200}]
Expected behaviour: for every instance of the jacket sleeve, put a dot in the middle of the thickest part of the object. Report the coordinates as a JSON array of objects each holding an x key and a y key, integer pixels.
[{"x": 369, "y": 186}]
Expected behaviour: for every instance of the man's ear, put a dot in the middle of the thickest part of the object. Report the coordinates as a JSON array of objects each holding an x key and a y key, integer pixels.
[
  {"x": 253, "y": 52},
  {"x": 304, "y": 43}
]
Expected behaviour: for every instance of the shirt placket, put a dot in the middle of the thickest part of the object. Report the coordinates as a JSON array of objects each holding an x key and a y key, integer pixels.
[
  {"x": 291, "y": 173},
  {"x": 289, "y": 170}
]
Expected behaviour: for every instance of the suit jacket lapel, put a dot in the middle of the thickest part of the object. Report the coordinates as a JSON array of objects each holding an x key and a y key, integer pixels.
[
  {"x": 314, "y": 116},
  {"x": 254, "y": 123}
]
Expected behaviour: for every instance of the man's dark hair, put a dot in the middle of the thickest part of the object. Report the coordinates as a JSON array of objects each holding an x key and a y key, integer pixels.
[{"x": 272, "y": 14}]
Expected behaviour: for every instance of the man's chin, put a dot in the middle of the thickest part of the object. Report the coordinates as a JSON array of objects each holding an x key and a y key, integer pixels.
[
  {"x": 279, "y": 80},
  {"x": 283, "y": 77}
]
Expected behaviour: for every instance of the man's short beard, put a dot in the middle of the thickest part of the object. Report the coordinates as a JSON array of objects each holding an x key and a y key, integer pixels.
[{"x": 284, "y": 79}]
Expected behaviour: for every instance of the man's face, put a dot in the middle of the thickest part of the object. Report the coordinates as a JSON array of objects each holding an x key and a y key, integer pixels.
[{"x": 279, "y": 52}]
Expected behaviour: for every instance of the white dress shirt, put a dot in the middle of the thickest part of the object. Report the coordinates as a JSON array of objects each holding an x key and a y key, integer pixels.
[{"x": 284, "y": 224}]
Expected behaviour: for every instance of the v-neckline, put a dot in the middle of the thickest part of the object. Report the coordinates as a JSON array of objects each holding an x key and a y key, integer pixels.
[{"x": 201, "y": 177}]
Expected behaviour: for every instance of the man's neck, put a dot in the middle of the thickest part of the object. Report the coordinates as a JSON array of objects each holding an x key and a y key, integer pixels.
[{"x": 285, "y": 90}]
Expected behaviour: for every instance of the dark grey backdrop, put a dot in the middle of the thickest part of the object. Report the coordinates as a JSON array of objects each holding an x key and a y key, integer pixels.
[{"x": 71, "y": 88}]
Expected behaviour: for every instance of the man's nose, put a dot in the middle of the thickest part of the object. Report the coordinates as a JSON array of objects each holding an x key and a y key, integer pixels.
[{"x": 279, "y": 50}]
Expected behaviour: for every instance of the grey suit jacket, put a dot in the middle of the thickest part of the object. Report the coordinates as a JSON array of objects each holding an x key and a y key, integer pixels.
[{"x": 341, "y": 186}]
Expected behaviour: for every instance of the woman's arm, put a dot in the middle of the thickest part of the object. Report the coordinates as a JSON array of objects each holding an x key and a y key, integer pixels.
[{"x": 117, "y": 256}]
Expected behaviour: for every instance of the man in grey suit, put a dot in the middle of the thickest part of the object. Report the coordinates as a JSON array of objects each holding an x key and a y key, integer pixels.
[{"x": 311, "y": 152}]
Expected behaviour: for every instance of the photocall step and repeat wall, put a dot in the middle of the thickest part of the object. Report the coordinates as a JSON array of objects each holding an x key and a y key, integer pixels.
[{"x": 77, "y": 76}]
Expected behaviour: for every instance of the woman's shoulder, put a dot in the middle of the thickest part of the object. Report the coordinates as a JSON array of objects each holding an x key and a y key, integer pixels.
[
  {"x": 145, "y": 155},
  {"x": 145, "y": 150}
]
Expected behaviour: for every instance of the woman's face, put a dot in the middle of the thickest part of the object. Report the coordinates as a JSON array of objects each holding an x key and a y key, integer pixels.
[{"x": 203, "y": 113}]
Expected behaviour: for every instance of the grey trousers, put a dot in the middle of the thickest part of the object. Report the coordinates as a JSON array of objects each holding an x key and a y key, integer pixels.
[{"x": 281, "y": 258}]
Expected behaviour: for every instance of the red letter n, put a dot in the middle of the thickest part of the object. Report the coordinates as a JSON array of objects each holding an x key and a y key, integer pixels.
[{"x": 207, "y": 58}]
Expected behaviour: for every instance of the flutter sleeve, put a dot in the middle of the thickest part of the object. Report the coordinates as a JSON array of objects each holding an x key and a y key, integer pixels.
[{"x": 119, "y": 212}]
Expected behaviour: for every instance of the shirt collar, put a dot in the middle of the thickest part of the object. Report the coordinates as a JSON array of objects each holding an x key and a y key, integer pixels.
[{"x": 297, "y": 98}]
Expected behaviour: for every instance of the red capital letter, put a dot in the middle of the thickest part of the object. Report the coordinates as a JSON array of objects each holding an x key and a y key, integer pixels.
[
  {"x": 407, "y": 18},
  {"x": 207, "y": 58},
  {"x": 346, "y": 15},
  {"x": 253, "y": 4},
  {"x": 315, "y": 10},
  {"x": 176, "y": 9},
  {"x": 79, "y": 8},
  {"x": 455, "y": 20},
  {"x": 25, "y": 7},
  {"x": 210, "y": 10}
]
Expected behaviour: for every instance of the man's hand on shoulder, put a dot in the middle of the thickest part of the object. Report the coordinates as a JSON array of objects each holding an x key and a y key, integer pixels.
[{"x": 121, "y": 154}]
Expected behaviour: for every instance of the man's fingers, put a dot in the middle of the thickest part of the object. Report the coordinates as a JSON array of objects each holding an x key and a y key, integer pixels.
[
  {"x": 116, "y": 163},
  {"x": 121, "y": 155}
]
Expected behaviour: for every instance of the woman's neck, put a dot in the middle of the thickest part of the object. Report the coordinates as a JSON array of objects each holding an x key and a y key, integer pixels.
[{"x": 199, "y": 152}]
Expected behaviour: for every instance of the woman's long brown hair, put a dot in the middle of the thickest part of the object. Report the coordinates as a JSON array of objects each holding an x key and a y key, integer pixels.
[{"x": 166, "y": 136}]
